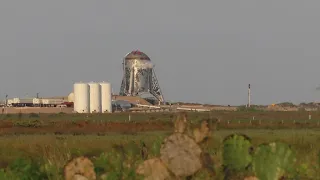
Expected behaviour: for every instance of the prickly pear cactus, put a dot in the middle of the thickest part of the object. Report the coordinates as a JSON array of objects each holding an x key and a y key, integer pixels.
[
  {"x": 180, "y": 154},
  {"x": 271, "y": 161},
  {"x": 237, "y": 152}
]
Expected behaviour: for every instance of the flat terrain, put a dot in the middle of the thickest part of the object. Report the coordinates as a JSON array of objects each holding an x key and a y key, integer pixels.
[
  {"x": 55, "y": 150},
  {"x": 52, "y": 139},
  {"x": 60, "y": 123}
]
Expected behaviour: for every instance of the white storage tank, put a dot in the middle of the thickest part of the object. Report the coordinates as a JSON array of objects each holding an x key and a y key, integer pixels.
[
  {"x": 95, "y": 97},
  {"x": 81, "y": 97},
  {"x": 71, "y": 97},
  {"x": 106, "y": 98}
]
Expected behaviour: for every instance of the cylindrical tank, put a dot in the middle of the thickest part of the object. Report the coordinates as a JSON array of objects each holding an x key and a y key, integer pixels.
[
  {"x": 139, "y": 77},
  {"x": 81, "y": 97},
  {"x": 138, "y": 72},
  {"x": 106, "y": 99},
  {"x": 71, "y": 97},
  {"x": 95, "y": 97}
]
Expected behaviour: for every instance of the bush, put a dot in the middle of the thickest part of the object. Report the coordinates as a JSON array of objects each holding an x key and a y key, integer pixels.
[
  {"x": 34, "y": 115},
  {"x": 26, "y": 169},
  {"x": 60, "y": 114},
  {"x": 24, "y": 123},
  {"x": 248, "y": 109}
]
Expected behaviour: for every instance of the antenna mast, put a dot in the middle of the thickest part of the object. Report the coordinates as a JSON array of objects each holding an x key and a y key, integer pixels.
[{"x": 249, "y": 96}]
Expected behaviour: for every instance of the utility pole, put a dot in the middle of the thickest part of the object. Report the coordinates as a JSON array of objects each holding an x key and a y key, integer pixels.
[
  {"x": 6, "y": 106},
  {"x": 6, "y": 100},
  {"x": 249, "y": 96}
]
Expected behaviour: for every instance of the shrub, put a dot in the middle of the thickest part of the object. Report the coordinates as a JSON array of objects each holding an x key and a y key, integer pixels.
[
  {"x": 34, "y": 115},
  {"x": 272, "y": 161},
  {"x": 27, "y": 169},
  {"x": 248, "y": 109}
]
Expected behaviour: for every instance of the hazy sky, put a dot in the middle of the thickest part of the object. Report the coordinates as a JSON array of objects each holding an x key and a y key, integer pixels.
[{"x": 204, "y": 51}]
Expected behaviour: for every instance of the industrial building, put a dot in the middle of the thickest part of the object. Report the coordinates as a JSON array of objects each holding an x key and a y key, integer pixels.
[
  {"x": 139, "y": 88},
  {"x": 37, "y": 102}
]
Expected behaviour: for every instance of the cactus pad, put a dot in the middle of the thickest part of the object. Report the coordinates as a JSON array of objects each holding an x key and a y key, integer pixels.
[
  {"x": 237, "y": 152},
  {"x": 271, "y": 161}
]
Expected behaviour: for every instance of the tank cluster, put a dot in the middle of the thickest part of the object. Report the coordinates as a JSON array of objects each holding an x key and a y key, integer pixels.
[{"x": 92, "y": 97}]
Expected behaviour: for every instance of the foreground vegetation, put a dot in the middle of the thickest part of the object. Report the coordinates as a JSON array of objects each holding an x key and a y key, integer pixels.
[
  {"x": 34, "y": 157},
  {"x": 118, "y": 154},
  {"x": 44, "y": 156}
]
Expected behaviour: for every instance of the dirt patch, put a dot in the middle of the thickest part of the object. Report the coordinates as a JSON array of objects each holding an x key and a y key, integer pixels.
[
  {"x": 83, "y": 127},
  {"x": 102, "y": 124},
  {"x": 102, "y": 128}
]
